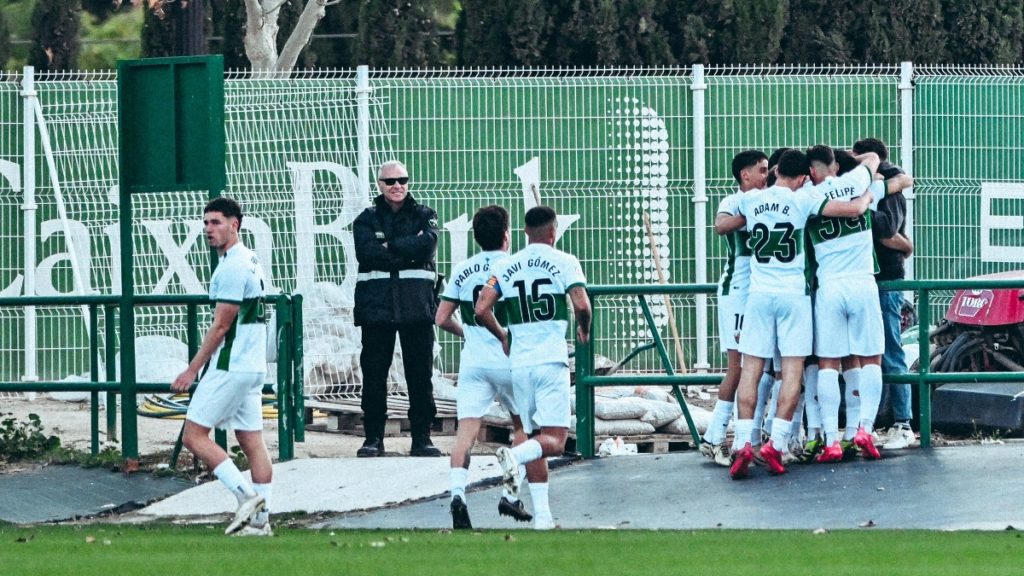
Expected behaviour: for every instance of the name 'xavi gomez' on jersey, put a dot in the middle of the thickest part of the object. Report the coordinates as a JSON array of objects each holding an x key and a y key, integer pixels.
[
  {"x": 534, "y": 283},
  {"x": 776, "y": 218},
  {"x": 480, "y": 347}
]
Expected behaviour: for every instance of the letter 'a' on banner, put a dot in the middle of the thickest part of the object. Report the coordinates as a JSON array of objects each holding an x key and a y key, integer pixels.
[{"x": 171, "y": 124}]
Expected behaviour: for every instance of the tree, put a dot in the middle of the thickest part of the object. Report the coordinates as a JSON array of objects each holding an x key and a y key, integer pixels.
[
  {"x": 984, "y": 31},
  {"x": 480, "y": 37},
  {"x": 818, "y": 33},
  {"x": 530, "y": 29},
  {"x": 5, "y": 41},
  {"x": 336, "y": 52},
  {"x": 266, "y": 55},
  {"x": 55, "y": 29},
  {"x": 898, "y": 30},
  {"x": 754, "y": 33},
  {"x": 158, "y": 31},
  {"x": 396, "y": 33},
  {"x": 643, "y": 41}
]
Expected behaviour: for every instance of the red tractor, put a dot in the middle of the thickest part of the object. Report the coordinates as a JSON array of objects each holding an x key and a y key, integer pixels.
[{"x": 983, "y": 331}]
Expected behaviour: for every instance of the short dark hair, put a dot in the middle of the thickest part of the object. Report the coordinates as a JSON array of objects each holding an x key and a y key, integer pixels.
[
  {"x": 875, "y": 145},
  {"x": 793, "y": 164},
  {"x": 539, "y": 216},
  {"x": 746, "y": 159},
  {"x": 229, "y": 207},
  {"x": 489, "y": 226},
  {"x": 821, "y": 153},
  {"x": 846, "y": 161},
  {"x": 773, "y": 160}
]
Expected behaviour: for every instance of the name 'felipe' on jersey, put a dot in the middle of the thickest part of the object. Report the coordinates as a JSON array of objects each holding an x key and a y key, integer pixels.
[
  {"x": 480, "y": 347},
  {"x": 534, "y": 283},
  {"x": 238, "y": 279},
  {"x": 843, "y": 246},
  {"x": 776, "y": 218}
]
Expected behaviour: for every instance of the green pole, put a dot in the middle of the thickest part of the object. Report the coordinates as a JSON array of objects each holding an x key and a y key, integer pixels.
[
  {"x": 110, "y": 345},
  {"x": 94, "y": 375},
  {"x": 924, "y": 356},
  {"x": 283, "y": 312},
  {"x": 585, "y": 394},
  {"x": 298, "y": 379},
  {"x": 666, "y": 361},
  {"x": 129, "y": 422}
]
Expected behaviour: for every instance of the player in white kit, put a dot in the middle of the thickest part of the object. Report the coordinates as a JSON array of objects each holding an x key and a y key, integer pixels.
[
  {"x": 485, "y": 374},
  {"x": 750, "y": 169},
  {"x": 778, "y": 312},
  {"x": 534, "y": 283}
]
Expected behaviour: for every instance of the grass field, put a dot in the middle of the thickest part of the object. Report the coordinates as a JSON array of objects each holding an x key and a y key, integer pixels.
[{"x": 113, "y": 550}]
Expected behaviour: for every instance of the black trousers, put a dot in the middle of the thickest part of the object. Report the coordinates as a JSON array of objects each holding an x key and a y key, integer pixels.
[{"x": 418, "y": 360}]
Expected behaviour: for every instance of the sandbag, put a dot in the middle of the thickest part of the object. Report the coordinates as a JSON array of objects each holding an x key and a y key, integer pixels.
[
  {"x": 627, "y": 408},
  {"x": 701, "y": 419},
  {"x": 660, "y": 413}
]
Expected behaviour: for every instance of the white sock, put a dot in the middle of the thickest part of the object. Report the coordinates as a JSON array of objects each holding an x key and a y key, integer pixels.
[
  {"x": 852, "y": 378},
  {"x": 797, "y": 428},
  {"x": 719, "y": 422},
  {"x": 870, "y": 395},
  {"x": 528, "y": 451},
  {"x": 773, "y": 406},
  {"x": 539, "y": 495},
  {"x": 764, "y": 387},
  {"x": 811, "y": 405},
  {"x": 232, "y": 478},
  {"x": 829, "y": 399},
  {"x": 263, "y": 516},
  {"x": 780, "y": 434},
  {"x": 744, "y": 428},
  {"x": 458, "y": 476}
]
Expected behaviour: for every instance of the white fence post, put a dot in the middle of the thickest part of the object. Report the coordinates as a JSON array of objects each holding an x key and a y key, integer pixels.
[
  {"x": 28, "y": 93},
  {"x": 700, "y": 200},
  {"x": 907, "y": 146},
  {"x": 363, "y": 91}
]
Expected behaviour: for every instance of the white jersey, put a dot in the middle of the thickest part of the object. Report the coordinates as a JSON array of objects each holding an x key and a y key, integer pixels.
[
  {"x": 843, "y": 246},
  {"x": 238, "y": 279},
  {"x": 534, "y": 283},
  {"x": 480, "y": 347},
  {"x": 776, "y": 218},
  {"x": 735, "y": 280}
]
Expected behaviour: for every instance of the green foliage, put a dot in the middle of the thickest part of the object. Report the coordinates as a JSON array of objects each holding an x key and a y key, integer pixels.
[
  {"x": 109, "y": 457},
  {"x": 239, "y": 458},
  {"x": 5, "y": 40},
  {"x": 985, "y": 31},
  {"x": 101, "y": 9},
  {"x": 100, "y": 55},
  {"x": 158, "y": 32},
  {"x": 22, "y": 440},
  {"x": 531, "y": 31},
  {"x": 396, "y": 33},
  {"x": 336, "y": 52},
  {"x": 478, "y": 41},
  {"x": 55, "y": 32},
  {"x": 229, "y": 16}
]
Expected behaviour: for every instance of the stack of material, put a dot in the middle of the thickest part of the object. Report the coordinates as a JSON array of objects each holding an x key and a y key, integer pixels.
[{"x": 627, "y": 411}]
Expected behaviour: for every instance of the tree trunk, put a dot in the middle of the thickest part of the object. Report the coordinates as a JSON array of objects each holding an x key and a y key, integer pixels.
[{"x": 261, "y": 35}]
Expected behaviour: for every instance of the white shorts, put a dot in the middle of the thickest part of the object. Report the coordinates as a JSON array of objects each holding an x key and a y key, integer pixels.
[
  {"x": 777, "y": 321},
  {"x": 228, "y": 400},
  {"x": 730, "y": 320},
  {"x": 479, "y": 387},
  {"x": 848, "y": 319},
  {"x": 542, "y": 395}
]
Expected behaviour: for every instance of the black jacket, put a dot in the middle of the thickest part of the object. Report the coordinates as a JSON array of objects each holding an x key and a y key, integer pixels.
[
  {"x": 395, "y": 284},
  {"x": 890, "y": 218}
]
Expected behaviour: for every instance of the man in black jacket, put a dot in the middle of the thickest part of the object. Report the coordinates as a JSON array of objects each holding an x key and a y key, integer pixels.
[{"x": 396, "y": 242}]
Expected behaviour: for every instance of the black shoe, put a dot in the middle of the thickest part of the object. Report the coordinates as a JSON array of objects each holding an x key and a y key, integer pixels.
[
  {"x": 517, "y": 510},
  {"x": 371, "y": 448},
  {"x": 422, "y": 446},
  {"x": 460, "y": 514}
]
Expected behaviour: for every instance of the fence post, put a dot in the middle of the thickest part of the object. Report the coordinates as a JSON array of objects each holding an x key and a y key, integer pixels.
[
  {"x": 94, "y": 375},
  {"x": 585, "y": 393},
  {"x": 298, "y": 387},
  {"x": 907, "y": 146},
  {"x": 363, "y": 91},
  {"x": 284, "y": 358},
  {"x": 110, "y": 353},
  {"x": 700, "y": 201},
  {"x": 924, "y": 315},
  {"x": 28, "y": 93}
]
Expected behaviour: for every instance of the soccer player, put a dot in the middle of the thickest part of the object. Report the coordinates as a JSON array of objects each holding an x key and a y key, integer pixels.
[
  {"x": 778, "y": 312},
  {"x": 230, "y": 393},
  {"x": 892, "y": 247},
  {"x": 484, "y": 370},
  {"x": 750, "y": 169},
  {"x": 534, "y": 282},
  {"x": 847, "y": 318}
]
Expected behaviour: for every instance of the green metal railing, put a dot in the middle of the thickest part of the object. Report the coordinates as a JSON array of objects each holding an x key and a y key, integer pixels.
[
  {"x": 586, "y": 380},
  {"x": 288, "y": 315}
]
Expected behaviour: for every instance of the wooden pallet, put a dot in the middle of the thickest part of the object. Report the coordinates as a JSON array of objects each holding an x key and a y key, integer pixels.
[{"x": 348, "y": 419}]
